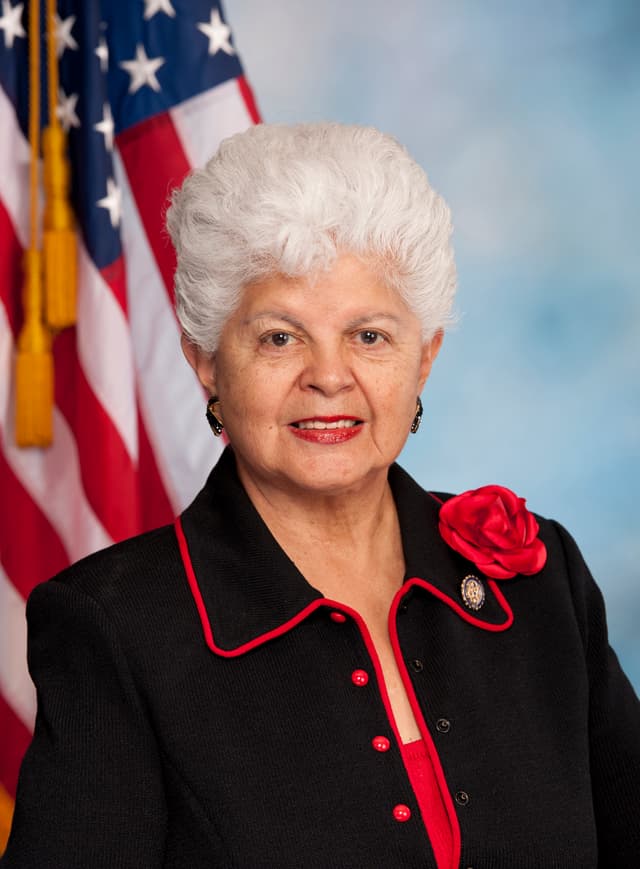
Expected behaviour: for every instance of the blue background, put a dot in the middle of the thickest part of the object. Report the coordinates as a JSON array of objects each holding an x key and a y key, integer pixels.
[{"x": 526, "y": 116}]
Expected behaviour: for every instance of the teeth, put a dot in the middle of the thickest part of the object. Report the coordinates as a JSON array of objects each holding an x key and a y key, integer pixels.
[{"x": 318, "y": 425}]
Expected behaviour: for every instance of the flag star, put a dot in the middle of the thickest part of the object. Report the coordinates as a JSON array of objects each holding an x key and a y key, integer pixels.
[
  {"x": 102, "y": 51},
  {"x": 64, "y": 39},
  {"x": 11, "y": 22},
  {"x": 153, "y": 6},
  {"x": 105, "y": 126},
  {"x": 112, "y": 202},
  {"x": 218, "y": 33},
  {"x": 66, "y": 111},
  {"x": 142, "y": 70}
]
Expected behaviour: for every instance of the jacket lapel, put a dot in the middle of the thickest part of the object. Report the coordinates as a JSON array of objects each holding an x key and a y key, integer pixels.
[
  {"x": 248, "y": 591},
  {"x": 432, "y": 567}
]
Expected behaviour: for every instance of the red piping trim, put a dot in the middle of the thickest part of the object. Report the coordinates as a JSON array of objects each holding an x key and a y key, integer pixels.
[
  {"x": 322, "y": 601},
  {"x": 204, "y": 619},
  {"x": 426, "y": 736},
  {"x": 478, "y": 623},
  {"x": 382, "y": 686},
  {"x": 193, "y": 582},
  {"x": 467, "y": 616},
  {"x": 395, "y": 643}
]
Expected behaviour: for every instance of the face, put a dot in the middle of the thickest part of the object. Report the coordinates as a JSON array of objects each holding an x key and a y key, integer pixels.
[{"x": 317, "y": 379}]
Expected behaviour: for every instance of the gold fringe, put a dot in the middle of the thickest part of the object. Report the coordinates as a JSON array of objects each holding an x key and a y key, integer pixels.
[
  {"x": 59, "y": 238},
  {"x": 6, "y": 813},
  {"x": 34, "y": 365}
]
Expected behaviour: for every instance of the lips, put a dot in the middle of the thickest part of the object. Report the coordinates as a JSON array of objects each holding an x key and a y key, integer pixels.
[
  {"x": 327, "y": 429},
  {"x": 326, "y": 423}
]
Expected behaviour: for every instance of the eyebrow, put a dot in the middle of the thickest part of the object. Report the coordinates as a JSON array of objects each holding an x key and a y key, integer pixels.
[
  {"x": 352, "y": 324},
  {"x": 275, "y": 315},
  {"x": 374, "y": 315}
]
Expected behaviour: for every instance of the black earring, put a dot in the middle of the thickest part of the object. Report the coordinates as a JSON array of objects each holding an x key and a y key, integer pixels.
[
  {"x": 215, "y": 422},
  {"x": 415, "y": 425}
]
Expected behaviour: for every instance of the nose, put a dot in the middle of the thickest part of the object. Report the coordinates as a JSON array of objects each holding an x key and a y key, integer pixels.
[{"x": 327, "y": 370}]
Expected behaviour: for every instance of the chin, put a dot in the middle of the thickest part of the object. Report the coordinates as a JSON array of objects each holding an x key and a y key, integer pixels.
[{"x": 332, "y": 476}]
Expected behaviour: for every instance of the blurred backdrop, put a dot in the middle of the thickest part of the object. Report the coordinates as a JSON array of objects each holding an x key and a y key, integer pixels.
[{"x": 526, "y": 118}]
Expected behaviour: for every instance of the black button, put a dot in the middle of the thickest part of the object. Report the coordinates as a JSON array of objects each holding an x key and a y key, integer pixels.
[
  {"x": 416, "y": 665},
  {"x": 462, "y": 798},
  {"x": 443, "y": 725}
]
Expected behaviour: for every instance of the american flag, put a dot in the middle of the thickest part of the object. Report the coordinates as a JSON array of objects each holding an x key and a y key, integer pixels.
[{"x": 148, "y": 88}]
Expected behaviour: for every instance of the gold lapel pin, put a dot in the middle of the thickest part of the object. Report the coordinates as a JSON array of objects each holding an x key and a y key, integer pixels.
[{"x": 472, "y": 591}]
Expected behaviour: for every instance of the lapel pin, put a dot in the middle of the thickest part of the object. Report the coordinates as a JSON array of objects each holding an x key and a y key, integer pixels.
[{"x": 472, "y": 591}]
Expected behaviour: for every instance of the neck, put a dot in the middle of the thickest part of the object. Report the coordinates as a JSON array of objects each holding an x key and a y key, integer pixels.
[
  {"x": 344, "y": 543},
  {"x": 332, "y": 517}
]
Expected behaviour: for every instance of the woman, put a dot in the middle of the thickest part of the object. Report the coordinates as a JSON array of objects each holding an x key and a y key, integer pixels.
[{"x": 321, "y": 664}]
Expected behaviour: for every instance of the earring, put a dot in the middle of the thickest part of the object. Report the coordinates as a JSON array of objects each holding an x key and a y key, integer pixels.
[
  {"x": 215, "y": 422},
  {"x": 415, "y": 425}
]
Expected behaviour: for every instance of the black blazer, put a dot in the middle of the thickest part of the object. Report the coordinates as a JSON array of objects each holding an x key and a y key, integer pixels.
[{"x": 209, "y": 718}]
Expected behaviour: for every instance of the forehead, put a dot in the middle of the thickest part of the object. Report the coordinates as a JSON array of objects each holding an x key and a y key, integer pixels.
[{"x": 350, "y": 289}]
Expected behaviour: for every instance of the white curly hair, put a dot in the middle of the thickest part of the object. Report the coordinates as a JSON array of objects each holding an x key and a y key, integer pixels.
[{"x": 289, "y": 200}]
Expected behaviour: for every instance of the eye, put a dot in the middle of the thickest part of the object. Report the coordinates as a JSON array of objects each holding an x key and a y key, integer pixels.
[
  {"x": 370, "y": 337},
  {"x": 277, "y": 339}
]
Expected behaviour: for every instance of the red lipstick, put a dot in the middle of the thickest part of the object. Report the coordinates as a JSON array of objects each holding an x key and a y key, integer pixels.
[{"x": 326, "y": 429}]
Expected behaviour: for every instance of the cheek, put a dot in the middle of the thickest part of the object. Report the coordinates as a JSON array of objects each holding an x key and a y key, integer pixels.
[
  {"x": 255, "y": 395},
  {"x": 398, "y": 386}
]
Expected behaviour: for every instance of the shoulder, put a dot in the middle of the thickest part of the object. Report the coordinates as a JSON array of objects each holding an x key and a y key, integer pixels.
[
  {"x": 137, "y": 558},
  {"x": 493, "y": 527},
  {"x": 128, "y": 582}
]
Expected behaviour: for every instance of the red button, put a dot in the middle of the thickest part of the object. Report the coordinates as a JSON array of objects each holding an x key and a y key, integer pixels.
[
  {"x": 381, "y": 743},
  {"x": 338, "y": 617},
  {"x": 401, "y": 813},
  {"x": 359, "y": 677}
]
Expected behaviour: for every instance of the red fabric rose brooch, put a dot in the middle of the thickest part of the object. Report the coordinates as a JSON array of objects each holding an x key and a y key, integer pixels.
[{"x": 492, "y": 527}]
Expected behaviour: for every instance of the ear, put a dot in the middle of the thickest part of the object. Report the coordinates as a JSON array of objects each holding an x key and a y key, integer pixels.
[
  {"x": 430, "y": 350},
  {"x": 204, "y": 364}
]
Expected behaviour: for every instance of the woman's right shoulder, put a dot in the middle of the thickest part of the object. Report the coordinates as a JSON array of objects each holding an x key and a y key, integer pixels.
[{"x": 144, "y": 568}]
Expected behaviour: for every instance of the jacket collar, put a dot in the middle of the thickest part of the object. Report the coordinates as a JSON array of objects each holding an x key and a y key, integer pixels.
[{"x": 248, "y": 591}]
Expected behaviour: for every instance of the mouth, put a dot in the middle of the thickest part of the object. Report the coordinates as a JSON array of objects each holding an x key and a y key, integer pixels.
[
  {"x": 326, "y": 430},
  {"x": 326, "y": 423}
]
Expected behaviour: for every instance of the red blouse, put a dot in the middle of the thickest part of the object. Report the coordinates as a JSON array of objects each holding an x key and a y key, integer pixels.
[{"x": 434, "y": 814}]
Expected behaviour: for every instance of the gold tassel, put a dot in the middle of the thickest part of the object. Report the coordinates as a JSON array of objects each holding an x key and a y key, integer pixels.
[
  {"x": 59, "y": 238},
  {"x": 34, "y": 361},
  {"x": 34, "y": 364}
]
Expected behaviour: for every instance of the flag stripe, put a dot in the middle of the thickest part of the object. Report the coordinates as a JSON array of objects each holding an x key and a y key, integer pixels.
[
  {"x": 10, "y": 269},
  {"x": 249, "y": 99},
  {"x": 14, "y": 169},
  {"x": 95, "y": 435},
  {"x": 103, "y": 327},
  {"x": 206, "y": 119},
  {"x": 151, "y": 190},
  {"x": 94, "y": 431},
  {"x": 31, "y": 550},
  {"x": 168, "y": 388},
  {"x": 155, "y": 507},
  {"x": 52, "y": 479},
  {"x": 15, "y": 683},
  {"x": 16, "y": 735},
  {"x": 114, "y": 276}
]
